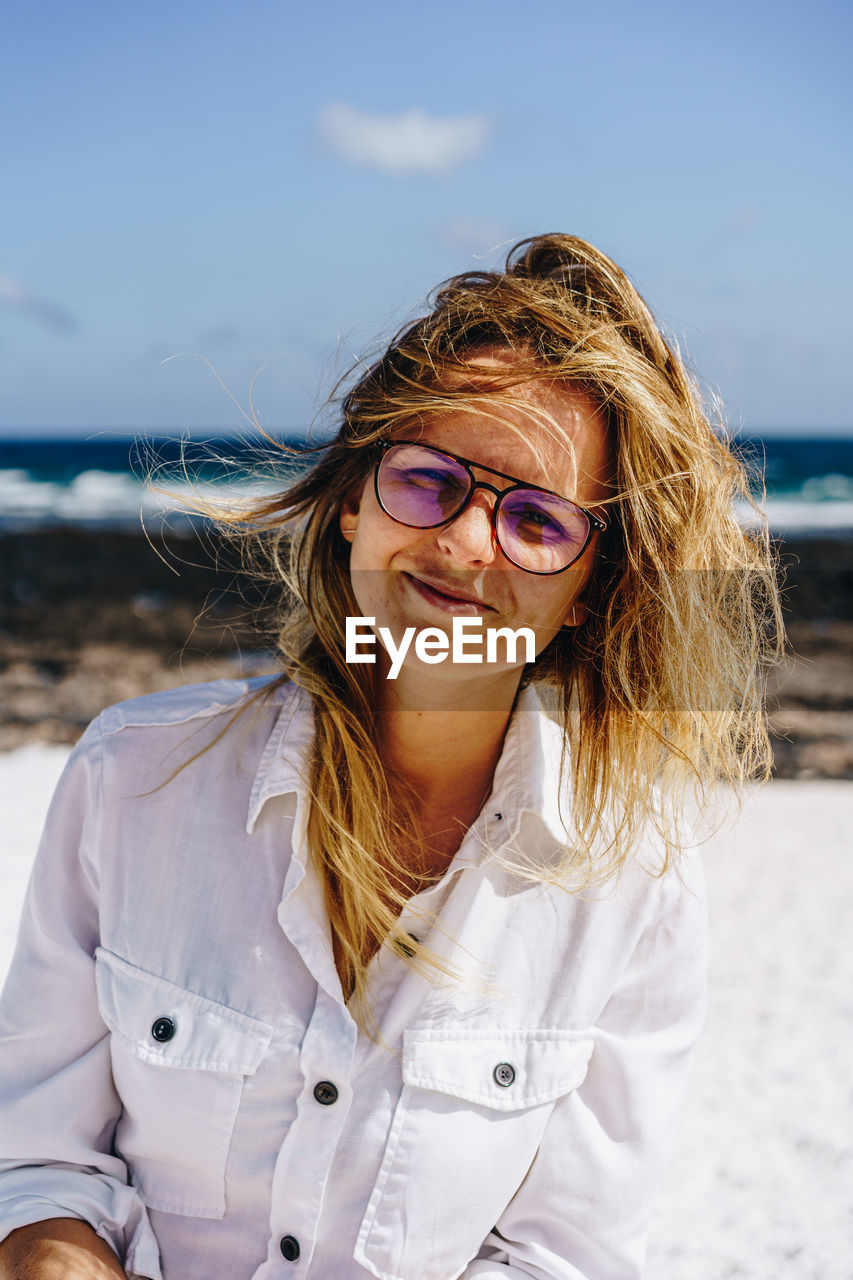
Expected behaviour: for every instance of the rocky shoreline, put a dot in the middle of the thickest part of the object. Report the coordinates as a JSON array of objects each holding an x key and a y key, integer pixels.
[{"x": 88, "y": 617}]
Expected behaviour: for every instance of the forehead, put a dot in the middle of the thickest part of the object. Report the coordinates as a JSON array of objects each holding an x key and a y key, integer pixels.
[{"x": 546, "y": 432}]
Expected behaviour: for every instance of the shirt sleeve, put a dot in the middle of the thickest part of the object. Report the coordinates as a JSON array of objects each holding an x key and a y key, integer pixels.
[
  {"x": 582, "y": 1212},
  {"x": 58, "y": 1106}
]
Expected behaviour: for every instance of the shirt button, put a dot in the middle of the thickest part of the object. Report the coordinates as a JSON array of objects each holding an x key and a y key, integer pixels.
[
  {"x": 163, "y": 1030},
  {"x": 504, "y": 1074},
  {"x": 289, "y": 1246},
  {"x": 325, "y": 1093}
]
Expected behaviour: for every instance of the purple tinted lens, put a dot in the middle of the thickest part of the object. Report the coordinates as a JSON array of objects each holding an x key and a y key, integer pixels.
[
  {"x": 419, "y": 486},
  {"x": 540, "y": 531}
]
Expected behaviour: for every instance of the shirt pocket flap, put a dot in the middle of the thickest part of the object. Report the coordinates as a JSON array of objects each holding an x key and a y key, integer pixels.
[
  {"x": 505, "y": 1070},
  {"x": 165, "y": 1025}
]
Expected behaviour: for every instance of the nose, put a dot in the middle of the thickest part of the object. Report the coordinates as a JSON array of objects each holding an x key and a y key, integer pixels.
[{"x": 470, "y": 535}]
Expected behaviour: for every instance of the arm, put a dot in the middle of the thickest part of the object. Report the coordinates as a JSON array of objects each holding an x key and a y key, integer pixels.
[
  {"x": 58, "y": 1105},
  {"x": 57, "y": 1249},
  {"x": 583, "y": 1210}
]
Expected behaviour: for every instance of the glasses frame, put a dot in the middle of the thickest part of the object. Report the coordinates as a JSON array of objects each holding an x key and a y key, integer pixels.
[{"x": 595, "y": 523}]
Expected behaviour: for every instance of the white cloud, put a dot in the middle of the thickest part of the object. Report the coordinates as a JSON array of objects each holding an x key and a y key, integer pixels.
[
  {"x": 403, "y": 143},
  {"x": 14, "y": 295}
]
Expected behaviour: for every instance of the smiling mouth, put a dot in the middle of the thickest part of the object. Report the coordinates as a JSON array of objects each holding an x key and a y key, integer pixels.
[{"x": 448, "y": 598}]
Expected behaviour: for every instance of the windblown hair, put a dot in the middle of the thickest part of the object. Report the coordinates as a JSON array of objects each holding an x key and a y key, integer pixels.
[{"x": 658, "y": 691}]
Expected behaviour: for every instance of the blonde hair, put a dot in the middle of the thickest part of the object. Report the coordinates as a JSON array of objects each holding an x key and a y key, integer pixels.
[{"x": 659, "y": 689}]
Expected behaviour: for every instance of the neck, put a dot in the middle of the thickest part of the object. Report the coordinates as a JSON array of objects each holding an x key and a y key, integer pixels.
[{"x": 441, "y": 746}]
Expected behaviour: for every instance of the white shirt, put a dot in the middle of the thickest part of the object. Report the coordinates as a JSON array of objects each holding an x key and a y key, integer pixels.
[{"x": 173, "y": 1007}]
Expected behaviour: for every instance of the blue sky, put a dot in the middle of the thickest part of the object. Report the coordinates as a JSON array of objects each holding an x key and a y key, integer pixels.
[{"x": 272, "y": 186}]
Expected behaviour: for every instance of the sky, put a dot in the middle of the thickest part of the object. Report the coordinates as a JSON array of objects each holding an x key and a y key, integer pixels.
[{"x": 204, "y": 204}]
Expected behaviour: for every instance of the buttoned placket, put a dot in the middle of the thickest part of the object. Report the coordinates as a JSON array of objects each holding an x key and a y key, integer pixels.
[
  {"x": 308, "y": 1151},
  {"x": 328, "y": 1050},
  {"x": 325, "y": 1057},
  {"x": 329, "y": 1046}
]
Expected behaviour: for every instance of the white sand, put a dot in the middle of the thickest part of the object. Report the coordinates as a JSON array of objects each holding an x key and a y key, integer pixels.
[
  {"x": 761, "y": 1184},
  {"x": 27, "y": 779}
]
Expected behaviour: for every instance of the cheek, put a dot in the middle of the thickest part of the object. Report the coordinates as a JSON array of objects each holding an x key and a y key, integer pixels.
[
  {"x": 375, "y": 541},
  {"x": 378, "y": 538},
  {"x": 567, "y": 588}
]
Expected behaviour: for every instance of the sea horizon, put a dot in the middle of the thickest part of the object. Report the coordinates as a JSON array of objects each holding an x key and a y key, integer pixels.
[{"x": 103, "y": 477}]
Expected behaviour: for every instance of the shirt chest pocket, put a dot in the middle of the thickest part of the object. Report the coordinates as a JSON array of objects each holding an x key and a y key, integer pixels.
[
  {"x": 179, "y": 1063},
  {"x": 469, "y": 1122}
]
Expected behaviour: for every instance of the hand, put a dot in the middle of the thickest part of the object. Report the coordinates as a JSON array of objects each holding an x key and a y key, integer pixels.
[{"x": 58, "y": 1249}]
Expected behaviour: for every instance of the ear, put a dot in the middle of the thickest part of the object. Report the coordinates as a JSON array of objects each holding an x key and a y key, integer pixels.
[
  {"x": 576, "y": 615},
  {"x": 348, "y": 518}
]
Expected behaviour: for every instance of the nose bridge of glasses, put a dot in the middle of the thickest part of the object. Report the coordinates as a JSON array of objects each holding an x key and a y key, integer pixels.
[
  {"x": 474, "y": 522},
  {"x": 483, "y": 484}
]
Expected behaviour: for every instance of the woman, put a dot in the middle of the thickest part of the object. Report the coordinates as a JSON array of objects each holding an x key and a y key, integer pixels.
[{"x": 377, "y": 969}]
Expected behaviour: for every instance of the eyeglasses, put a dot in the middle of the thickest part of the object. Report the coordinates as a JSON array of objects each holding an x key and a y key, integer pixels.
[{"x": 536, "y": 530}]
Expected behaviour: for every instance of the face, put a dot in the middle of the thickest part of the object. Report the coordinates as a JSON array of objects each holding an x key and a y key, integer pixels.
[{"x": 425, "y": 577}]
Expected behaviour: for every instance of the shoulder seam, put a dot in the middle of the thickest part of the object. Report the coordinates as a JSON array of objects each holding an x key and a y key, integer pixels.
[{"x": 202, "y": 702}]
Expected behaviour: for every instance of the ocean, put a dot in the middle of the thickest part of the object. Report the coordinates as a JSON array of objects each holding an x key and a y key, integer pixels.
[{"x": 106, "y": 480}]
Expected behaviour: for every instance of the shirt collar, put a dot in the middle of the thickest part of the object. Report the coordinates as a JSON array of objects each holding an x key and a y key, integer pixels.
[
  {"x": 526, "y": 782},
  {"x": 283, "y": 766},
  {"x": 527, "y": 778}
]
